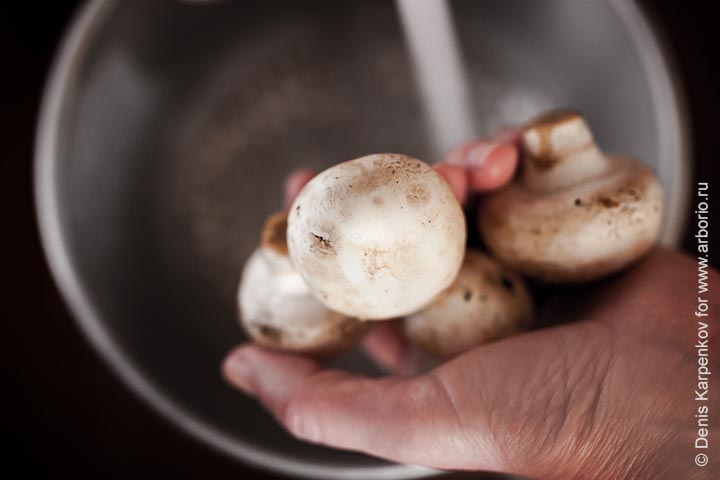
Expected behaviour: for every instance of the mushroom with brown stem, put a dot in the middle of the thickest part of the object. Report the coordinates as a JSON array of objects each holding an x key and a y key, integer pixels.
[
  {"x": 486, "y": 302},
  {"x": 278, "y": 310},
  {"x": 377, "y": 237},
  {"x": 575, "y": 214}
]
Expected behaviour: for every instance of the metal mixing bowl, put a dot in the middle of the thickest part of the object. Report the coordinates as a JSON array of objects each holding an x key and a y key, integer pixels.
[{"x": 167, "y": 128}]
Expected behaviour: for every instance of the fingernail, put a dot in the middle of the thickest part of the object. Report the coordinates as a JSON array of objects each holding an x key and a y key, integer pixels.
[
  {"x": 478, "y": 154},
  {"x": 498, "y": 167},
  {"x": 238, "y": 371}
]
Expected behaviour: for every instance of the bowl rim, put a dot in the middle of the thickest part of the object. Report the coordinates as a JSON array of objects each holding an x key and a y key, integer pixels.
[{"x": 58, "y": 96}]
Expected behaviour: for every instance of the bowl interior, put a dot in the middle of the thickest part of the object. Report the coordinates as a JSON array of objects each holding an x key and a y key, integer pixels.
[{"x": 182, "y": 119}]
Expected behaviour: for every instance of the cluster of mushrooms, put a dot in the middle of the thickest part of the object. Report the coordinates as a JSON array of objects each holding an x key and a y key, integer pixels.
[{"x": 383, "y": 237}]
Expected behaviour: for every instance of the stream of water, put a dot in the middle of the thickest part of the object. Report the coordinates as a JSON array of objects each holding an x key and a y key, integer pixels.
[{"x": 439, "y": 69}]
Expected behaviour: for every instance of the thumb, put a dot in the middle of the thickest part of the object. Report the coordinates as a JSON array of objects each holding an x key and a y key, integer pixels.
[{"x": 404, "y": 419}]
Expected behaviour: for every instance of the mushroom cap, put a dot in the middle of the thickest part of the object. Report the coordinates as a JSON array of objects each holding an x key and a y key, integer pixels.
[
  {"x": 278, "y": 310},
  {"x": 579, "y": 232},
  {"x": 377, "y": 237},
  {"x": 486, "y": 302}
]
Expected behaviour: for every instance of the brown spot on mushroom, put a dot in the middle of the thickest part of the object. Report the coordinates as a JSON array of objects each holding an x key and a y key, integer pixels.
[
  {"x": 378, "y": 200},
  {"x": 554, "y": 118},
  {"x": 269, "y": 332},
  {"x": 418, "y": 195},
  {"x": 577, "y": 202},
  {"x": 323, "y": 244},
  {"x": 274, "y": 234},
  {"x": 631, "y": 192},
  {"x": 366, "y": 184},
  {"x": 393, "y": 163},
  {"x": 608, "y": 202},
  {"x": 386, "y": 168},
  {"x": 467, "y": 294},
  {"x": 372, "y": 265},
  {"x": 508, "y": 284},
  {"x": 544, "y": 162}
]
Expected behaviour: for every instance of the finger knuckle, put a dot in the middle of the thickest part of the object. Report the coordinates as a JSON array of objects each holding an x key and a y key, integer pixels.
[{"x": 299, "y": 421}]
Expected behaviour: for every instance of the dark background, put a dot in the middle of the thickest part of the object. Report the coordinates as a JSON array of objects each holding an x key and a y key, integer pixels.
[{"x": 67, "y": 413}]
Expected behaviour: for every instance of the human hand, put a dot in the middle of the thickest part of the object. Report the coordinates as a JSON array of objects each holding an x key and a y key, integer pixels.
[{"x": 610, "y": 395}]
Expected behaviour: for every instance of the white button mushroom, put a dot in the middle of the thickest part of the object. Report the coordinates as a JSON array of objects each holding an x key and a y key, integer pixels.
[
  {"x": 377, "y": 237},
  {"x": 486, "y": 302},
  {"x": 277, "y": 308},
  {"x": 575, "y": 214}
]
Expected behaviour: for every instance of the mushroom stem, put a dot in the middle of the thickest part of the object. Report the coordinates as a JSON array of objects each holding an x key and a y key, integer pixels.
[{"x": 560, "y": 151}]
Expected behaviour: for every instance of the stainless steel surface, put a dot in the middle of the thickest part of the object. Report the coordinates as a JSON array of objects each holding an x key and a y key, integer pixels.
[{"x": 167, "y": 128}]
